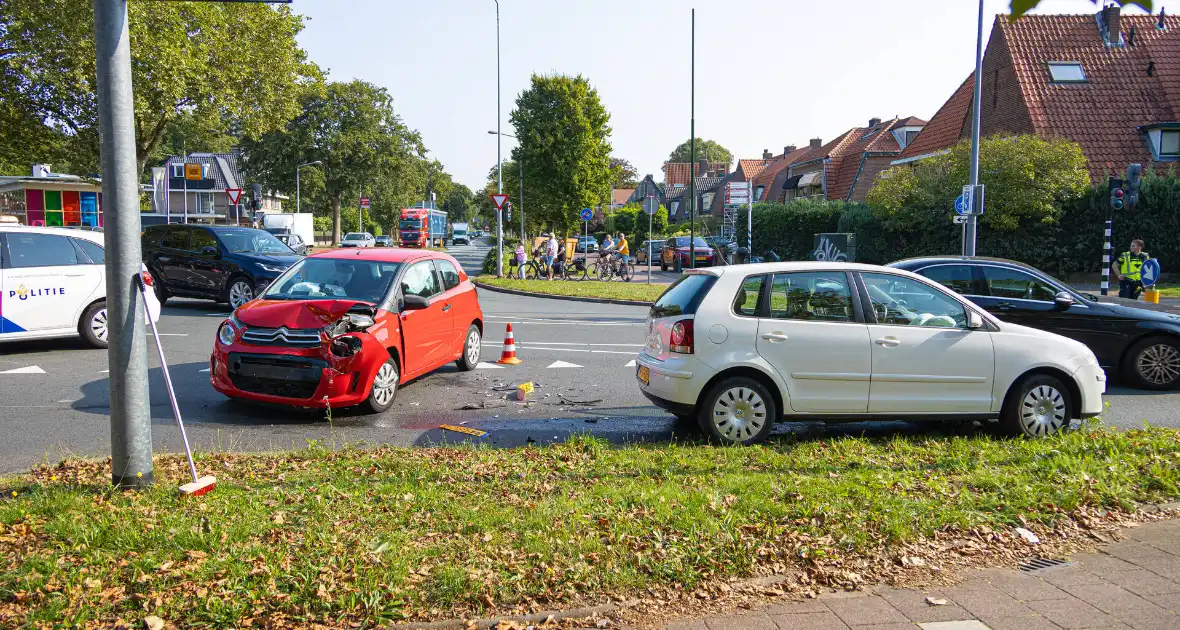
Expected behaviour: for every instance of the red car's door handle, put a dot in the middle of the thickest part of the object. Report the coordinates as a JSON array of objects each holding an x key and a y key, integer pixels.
[{"x": 446, "y": 308}]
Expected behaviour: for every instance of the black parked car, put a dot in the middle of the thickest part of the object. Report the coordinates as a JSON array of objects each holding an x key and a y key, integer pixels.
[
  {"x": 222, "y": 262},
  {"x": 1137, "y": 339}
]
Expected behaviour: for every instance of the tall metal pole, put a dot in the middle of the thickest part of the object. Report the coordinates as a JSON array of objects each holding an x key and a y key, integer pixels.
[
  {"x": 297, "y": 206},
  {"x": 521, "y": 163},
  {"x": 971, "y": 231},
  {"x": 692, "y": 149},
  {"x": 131, "y": 421},
  {"x": 499, "y": 163}
]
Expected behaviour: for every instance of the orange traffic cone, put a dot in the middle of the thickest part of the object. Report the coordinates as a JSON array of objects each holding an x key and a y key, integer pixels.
[{"x": 508, "y": 356}]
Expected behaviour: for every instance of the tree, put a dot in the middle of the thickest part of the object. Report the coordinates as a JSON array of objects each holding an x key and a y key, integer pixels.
[
  {"x": 235, "y": 65},
  {"x": 563, "y": 134},
  {"x": 1026, "y": 178},
  {"x": 625, "y": 175},
  {"x": 706, "y": 150},
  {"x": 363, "y": 144},
  {"x": 459, "y": 204}
]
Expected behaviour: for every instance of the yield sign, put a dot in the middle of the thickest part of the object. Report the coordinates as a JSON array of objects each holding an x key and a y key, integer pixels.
[
  {"x": 499, "y": 200},
  {"x": 234, "y": 194}
]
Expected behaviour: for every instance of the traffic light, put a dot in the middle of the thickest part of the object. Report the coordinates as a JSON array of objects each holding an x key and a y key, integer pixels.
[
  {"x": 1117, "y": 194},
  {"x": 1133, "y": 173}
]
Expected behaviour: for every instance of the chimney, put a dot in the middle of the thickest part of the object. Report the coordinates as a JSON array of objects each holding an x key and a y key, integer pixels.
[
  {"x": 816, "y": 143},
  {"x": 873, "y": 122},
  {"x": 1111, "y": 23},
  {"x": 789, "y": 149},
  {"x": 766, "y": 154},
  {"x": 42, "y": 170}
]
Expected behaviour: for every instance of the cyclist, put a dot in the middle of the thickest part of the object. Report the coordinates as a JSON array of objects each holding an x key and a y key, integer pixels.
[{"x": 618, "y": 250}]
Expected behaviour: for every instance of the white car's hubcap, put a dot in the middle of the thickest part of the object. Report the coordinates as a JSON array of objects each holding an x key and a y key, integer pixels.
[
  {"x": 240, "y": 293},
  {"x": 473, "y": 347},
  {"x": 739, "y": 414},
  {"x": 1160, "y": 364},
  {"x": 385, "y": 384},
  {"x": 98, "y": 325},
  {"x": 1042, "y": 411}
]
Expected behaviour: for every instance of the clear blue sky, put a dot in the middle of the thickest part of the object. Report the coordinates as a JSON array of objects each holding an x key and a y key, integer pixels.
[{"x": 768, "y": 72}]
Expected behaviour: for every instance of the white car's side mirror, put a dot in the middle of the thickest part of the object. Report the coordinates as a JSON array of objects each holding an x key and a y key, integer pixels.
[{"x": 974, "y": 321}]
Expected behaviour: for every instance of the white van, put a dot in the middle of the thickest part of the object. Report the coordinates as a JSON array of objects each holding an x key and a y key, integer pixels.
[{"x": 52, "y": 284}]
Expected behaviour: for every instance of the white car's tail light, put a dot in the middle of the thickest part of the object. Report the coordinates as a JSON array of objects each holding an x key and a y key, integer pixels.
[{"x": 681, "y": 341}]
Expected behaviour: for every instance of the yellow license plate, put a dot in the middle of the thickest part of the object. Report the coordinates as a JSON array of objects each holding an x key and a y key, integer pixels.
[{"x": 644, "y": 375}]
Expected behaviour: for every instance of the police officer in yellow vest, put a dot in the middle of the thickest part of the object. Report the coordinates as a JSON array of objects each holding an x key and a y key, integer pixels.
[{"x": 1126, "y": 269}]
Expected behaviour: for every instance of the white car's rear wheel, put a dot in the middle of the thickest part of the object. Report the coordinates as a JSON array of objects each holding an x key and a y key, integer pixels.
[
  {"x": 1037, "y": 406},
  {"x": 93, "y": 325},
  {"x": 737, "y": 410}
]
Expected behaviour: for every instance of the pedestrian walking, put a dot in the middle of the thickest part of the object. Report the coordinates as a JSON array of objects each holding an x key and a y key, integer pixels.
[
  {"x": 1127, "y": 269},
  {"x": 521, "y": 256},
  {"x": 550, "y": 253}
]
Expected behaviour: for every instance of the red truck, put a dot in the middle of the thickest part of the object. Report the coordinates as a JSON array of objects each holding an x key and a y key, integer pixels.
[{"x": 422, "y": 227}]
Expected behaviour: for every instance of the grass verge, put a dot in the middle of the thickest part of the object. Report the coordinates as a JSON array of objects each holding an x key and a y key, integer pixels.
[
  {"x": 637, "y": 289},
  {"x": 1169, "y": 290},
  {"x": 368, "y": 536}
]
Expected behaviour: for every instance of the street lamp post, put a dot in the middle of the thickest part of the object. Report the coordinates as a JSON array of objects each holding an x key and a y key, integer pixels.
[
  {"x": 499, "y": 164},
  {"x": 519, "y": 163},
  {"x": 971, "y": 229},
  {"x": 297, "y": 206}
]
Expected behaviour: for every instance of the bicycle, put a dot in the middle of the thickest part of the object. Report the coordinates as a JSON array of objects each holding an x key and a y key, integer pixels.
[
  {"x": 578, "y": 269},
  {"x": 536, "y": 269},
  {"x": 611, "y": 268}
]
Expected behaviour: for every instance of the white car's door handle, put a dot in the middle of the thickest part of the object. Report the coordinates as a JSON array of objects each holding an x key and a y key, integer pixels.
[
  {"x": 888, "y": 342},
  {"x": 776, "y": 336}
]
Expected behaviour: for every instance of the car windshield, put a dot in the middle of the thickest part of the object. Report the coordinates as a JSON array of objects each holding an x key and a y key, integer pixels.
[
  {"x": 334, "y": 278},
  {"x": 246, "y": 241},
  {"x": 682, "y": 241},
  {"x": 354, "y": 236}
]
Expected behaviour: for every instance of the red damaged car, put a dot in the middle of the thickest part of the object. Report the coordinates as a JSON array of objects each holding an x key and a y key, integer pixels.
[{"x": 347, "y": 327}]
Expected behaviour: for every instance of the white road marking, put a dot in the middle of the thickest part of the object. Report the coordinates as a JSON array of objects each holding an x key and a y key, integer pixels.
[
  {"x": 563, "y": 364},
  {"x": 104, "y": 371},
  {"x": 204, "y": 370},
  {"x": 527, "y": 347},
  {"x": 482, "y": 365},
  {"x": 222, "y": 315},
  {"x": 571, "y": 343},
  {"x": 172, "y": 334},
  {"x": 630, "y": 363},
  {"x": 516, "y": 321},
  {"x": 32, "y": 369}
]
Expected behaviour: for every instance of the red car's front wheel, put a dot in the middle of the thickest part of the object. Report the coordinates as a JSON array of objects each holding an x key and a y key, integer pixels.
[{"x": 384, "y": 389}]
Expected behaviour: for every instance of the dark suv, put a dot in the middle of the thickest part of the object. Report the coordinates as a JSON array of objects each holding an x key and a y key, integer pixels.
[{"x": 221, "y": 262}]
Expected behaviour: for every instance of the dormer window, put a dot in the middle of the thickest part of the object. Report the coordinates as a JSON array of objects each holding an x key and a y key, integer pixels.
[
  {"x": 1170, "y": 143},
  {"x": 1164, "y": 139},
  {"x": 178, "y": 170},
  {"x": 1066, "y": 72},
  {"x": 905, "y": 135}
]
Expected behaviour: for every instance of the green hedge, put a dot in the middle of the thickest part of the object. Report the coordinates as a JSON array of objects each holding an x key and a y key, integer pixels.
[{"x": 1071, "y": 245}]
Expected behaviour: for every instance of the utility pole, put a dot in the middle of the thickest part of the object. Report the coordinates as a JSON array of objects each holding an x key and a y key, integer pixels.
[
  {"x": 692, "y": 149},
  {"x": 131, "y": 422},
  {"x": 971, "y": 232},
  {"x": 499, "y": 163}
]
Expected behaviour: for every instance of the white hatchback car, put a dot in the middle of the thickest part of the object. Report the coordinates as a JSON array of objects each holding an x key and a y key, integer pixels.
[
  {"x": 52, "y": 284},
  {"x": 739, "y": 348}
]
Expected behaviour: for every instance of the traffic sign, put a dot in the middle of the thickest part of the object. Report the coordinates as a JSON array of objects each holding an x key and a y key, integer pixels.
[
  {"x": 1149, "y": 274},
  {"x": 650, "y": 205},
  {"x": 959, "y": 219},
  {"x": 963, "y": 201},
  {"x": 234, "y": 194},
  {"x": 499, "y": 200},
  {"x": 737, "y": 193},
  {"x": 193, "y": 171},
  {"x": 586, "y": 214},
  {"x": 364, "y": 203}
]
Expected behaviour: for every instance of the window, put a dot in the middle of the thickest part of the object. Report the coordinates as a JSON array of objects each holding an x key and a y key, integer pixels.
[
  {"x": 684, "y": 296},
  {"x": 957, "y": 278},
  {"x": 93, "y": 251},
  {"x": 449, "y": 275},
  {"x": 1066, "y": 72},
  {"x": 900, "y": 301},
  {"x": 178, "y": 170},
  {"x": 749, "y": 295},
  {"x": 176, "y": 238},
  {"x": 818, "y": 296},
  {"x": 910, "y": 135},
  {"x": 1170, "y": 144},
  {"x": 421, "y": 281},
  {"x": 758, "y": 192},
  {"x": 203, "y": 239},
  {"x": 1010, "y": 283},
  {"x": 39, "y": 250},
  {"x": 313, "y": 278}
]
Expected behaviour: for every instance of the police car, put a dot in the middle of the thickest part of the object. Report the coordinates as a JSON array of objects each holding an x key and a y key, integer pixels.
[{"x": 52, "y": 284}]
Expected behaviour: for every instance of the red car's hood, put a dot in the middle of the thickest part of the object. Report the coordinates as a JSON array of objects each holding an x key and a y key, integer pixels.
[{"x": 293, "y": 313}]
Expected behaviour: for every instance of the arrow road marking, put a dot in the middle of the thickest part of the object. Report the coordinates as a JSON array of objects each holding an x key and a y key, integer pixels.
[
  {"x": 32, "y": 369},
  {"x": 630, "y": 363},
  {"x": 488, "y": 366},
  {"x": 563, "y": 364}
]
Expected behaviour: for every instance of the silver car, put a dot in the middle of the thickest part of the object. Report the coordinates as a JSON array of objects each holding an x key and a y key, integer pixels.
[{"x": 358, "y": 239}]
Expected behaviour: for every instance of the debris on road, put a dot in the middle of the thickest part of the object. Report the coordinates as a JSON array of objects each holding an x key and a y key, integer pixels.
[
  {"x": 1028, "y": 536},
  {"x": 523, "y": 390},
  {"x": 936, "y": 601},
  {"x": 570, "y": 401},
  {"x": 466, "y": 430},
  {"x": 482, "y": 404}
]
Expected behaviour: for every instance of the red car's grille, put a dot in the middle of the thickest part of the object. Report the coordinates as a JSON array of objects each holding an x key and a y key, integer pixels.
[{"x": 273, "y": 375}]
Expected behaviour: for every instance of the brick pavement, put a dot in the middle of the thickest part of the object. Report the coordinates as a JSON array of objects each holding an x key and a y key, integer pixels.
[{"x": 1133, "y": 583}]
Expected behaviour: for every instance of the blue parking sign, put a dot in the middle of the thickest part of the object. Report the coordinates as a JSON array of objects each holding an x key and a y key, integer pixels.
[{"x": 587, "y": 214}]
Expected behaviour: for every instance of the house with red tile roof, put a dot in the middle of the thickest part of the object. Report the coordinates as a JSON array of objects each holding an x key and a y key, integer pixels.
[
  {"x": 678, "y": 174},
  {"x": 1109, "y": 82},
  {"x": 746, "y": 171}
]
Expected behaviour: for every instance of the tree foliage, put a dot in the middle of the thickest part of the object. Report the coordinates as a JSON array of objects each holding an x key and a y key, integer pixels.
[
  {"x": 363, "y": 144},
  {"x": 563, "y": 131},
  {"x": 1025, "y": 178},
  {"x": 217, "y": 65},
  {"x": 1020, "y": 7},
  {"x": 459, "y": 203},
  {"x": 625, "y": 175},
  {"x": 705, "y": 150}
]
